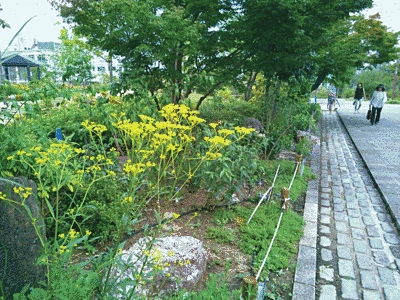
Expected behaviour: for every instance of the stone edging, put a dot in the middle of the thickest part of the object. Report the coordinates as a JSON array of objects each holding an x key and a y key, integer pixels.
[{"x": 304, "y": 285}]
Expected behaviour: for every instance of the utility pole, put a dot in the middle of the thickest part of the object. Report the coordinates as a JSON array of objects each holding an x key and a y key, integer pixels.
[{"x": 395, "y": 79}]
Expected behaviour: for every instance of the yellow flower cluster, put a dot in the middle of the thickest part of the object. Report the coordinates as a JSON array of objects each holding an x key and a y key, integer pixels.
[
  {"x": 62, "y": 249},
  {"x": 2, "y": 196},
  {"x": 73, "y": 234},
  {"x": 217, "y": 141},
  {"x": 98, "y": 129},
  {"x": 137, "y": 168},
  {"x": 23, "y": 192},
  {"x": 127, "y": 199}
]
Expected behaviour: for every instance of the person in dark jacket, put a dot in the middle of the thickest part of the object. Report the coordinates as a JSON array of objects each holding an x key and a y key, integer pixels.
[{"x": 359, "y": 95}]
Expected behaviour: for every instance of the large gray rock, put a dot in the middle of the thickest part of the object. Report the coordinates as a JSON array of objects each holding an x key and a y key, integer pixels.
[
  {"x": 183, "y": 261},
  {"x": 20, "y": 246},
  {"x": 253, "y": 123}
]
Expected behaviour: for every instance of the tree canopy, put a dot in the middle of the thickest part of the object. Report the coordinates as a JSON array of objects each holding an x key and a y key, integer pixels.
[{"x": 182, "y": 46}]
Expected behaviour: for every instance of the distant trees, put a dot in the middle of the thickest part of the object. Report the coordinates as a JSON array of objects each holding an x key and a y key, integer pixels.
[{"x": 173, "y": 48}]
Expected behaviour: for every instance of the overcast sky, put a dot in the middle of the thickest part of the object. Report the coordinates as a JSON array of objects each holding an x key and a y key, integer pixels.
[{"x": 45, "y": 29}]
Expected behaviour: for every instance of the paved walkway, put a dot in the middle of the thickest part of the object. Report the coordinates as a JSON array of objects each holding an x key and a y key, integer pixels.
[
  {"x": 351, "y": 246},
  {"x": 379, "y": 147}
]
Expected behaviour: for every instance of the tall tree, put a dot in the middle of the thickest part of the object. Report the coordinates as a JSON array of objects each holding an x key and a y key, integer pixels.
[
  {"x": 171, "y": 46},
  {"x": 354, "y": 43},
  {"x": 175, "y": 47},
  {"x": 72, "y": 61}
]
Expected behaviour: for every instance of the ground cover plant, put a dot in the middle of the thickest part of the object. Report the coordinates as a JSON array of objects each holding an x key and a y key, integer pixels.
[{"x": 111, "y": 164}]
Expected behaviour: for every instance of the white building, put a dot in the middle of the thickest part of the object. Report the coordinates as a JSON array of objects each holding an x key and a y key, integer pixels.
[{"x": 40, "y": 52}]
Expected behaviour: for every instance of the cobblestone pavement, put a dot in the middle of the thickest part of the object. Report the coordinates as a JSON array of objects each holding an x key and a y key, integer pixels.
[
  {"x": 379, "y": 147},
  {"x": 357, "y": 241},
  {"x": 351, "y": 247}
]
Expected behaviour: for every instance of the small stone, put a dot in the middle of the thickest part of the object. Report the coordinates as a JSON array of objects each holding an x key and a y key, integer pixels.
[
  {"x": 358, "y": 233},
  {"x": 326, "y": 210},
  {"x": 328, "y": 292},
  {"x": 387, "y": 227},
  {"x": 391, "y": 293},
  {"x": 326, "y": 254},
  {"x": 391, "y": 239},
  {"x": 341, "y": 227},
  {"x": 326, "y": 273},
  {"x": 325, "y": 229},
  {"x": 381, "y": 258},
  {"x": 383, "y": 217},
  {"x": 354, "y": 213},
  {"x": 356, "y": 222},
  {"x": 325, "y": 241},
  {"x": 368, "y": 280},
  {"x": 386, "y": 275},
  {"x": 360, "y": 246},
  {"x": 379, "y": 208},
  {"x": 342, "y": 238},
  {"x": 370, "y": 295},
  {"x": 346, "y": 268},
  {"x": 368, "y": 221},
  {"x": 365, "y": 211},
  {"x": 364, "y": 261},
  {"x": 349, "y": 289},
  {"x": 339, "y": 216},
  {"x": 344, "y": 252},
  {"x": 325, "y": 203},
  {"x": 375, "y": 243},
  {"x": 372, "y": 231}
]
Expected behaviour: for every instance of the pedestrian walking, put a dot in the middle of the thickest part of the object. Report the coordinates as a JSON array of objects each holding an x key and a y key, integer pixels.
[
  {"x": 378, "y": 99},
  {"x": 359, "y": 95}
]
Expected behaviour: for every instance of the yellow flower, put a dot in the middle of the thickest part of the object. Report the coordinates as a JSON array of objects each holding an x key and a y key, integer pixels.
[
  {"x": 88, "y": 232},
  {"x": 127, "y": 200},
  {"x": 62, "y": 249},
  {"x": 61, "y": 235},
  {"x": 10, "y": 157},
  {"x": 244, "y": 130},
  {"x": 73, "y": 234},
  {"x": 176, "y": 216},
  {"x": 213, "y": 125}
]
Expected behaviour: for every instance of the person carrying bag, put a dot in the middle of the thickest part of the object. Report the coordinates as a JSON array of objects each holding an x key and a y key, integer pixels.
[{"x": 378, "y": 99}]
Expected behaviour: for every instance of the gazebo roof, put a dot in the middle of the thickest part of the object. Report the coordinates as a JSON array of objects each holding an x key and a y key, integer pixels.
[{"x": 16, "y": 60}]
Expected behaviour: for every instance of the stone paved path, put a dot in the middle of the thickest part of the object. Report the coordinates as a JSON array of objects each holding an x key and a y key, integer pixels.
[{"x": 357, "y": 243}]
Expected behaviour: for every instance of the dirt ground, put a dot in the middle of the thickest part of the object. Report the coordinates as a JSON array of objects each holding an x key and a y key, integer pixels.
[{"x": 278, "y": 284}]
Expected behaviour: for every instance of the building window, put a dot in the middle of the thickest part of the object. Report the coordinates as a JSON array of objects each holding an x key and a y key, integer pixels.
[
  {"x": 31, "y": 56},
  {"x": 101, "y": 69},
  {"x": 41, "y": 58}
]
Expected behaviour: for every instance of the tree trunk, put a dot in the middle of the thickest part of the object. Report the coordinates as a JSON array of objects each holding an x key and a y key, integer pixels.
[
  {"x": 209, "y": 92},
  {"x": 249, "y": 86},
  {"x": 110, "y": 66},
  {"x": 319, "y": 80}
]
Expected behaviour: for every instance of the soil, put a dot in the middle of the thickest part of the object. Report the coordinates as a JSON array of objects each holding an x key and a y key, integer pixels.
[{"x": 278, "y": 284}]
